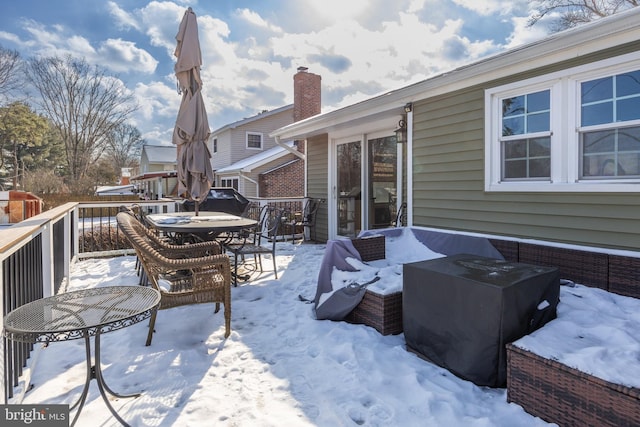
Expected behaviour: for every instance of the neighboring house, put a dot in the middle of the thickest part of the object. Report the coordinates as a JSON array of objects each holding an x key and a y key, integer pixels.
[
  {"x": 157, "y": 177},
  {"x": 539, "y": 142},
  {"x": 246, "y": 158},
  {"x": 115, "y": 190}
]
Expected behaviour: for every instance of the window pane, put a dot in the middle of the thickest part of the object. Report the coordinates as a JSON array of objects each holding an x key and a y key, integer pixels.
[
  {"x": 538, "y": 101},
  {"x": 597, "y": 114},
  {"x": 539, "y": 147},
  {"x": 628, "y": 109},
  {"x": 611, "y": 153},
  {"x": 629, "y": 139},
  {"x": 513, "y": 106},
  {"x": 598, "y": 142},
  {"x": 597, "y": 90},
  {"x": 515, "y": 169},
  {"x": 629, "y": 166},
  {"x": 628, "y": 84},
  {"x": 539, "y": 168},
  {"x": 538, "y": 122},
  {"x": 515, "y": 149},
  {"x": 599, "y": 166},
  {"x": 527, "y": 158},
  {"x": 514, "y": 126},
  {"x": 526, "y": 113},
  {"x": 254, "y": 141}
]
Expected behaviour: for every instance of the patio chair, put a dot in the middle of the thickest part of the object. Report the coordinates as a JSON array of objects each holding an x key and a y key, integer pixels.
[
  {"x": 183, "y": 275},
  {"x": 401, "y": 216},
  {"x": 164, "y": 245},
  {"x": 305, "y": 219},
  {"x": 309, "y": 217},
  {"x": 257, "y": 242}
]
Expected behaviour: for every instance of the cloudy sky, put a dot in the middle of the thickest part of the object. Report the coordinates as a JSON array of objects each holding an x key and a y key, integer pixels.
[{"x": 252, "y": 48}]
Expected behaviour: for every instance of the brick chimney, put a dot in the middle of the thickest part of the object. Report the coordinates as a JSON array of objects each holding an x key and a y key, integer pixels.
[{"x": 306, "y": 94}]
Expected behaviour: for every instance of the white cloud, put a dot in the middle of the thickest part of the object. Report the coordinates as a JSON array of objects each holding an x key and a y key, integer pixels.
[
  {"x": 10, "y": 37},
  {"x": 337, "y": 10},
  {"x": 522, "y": 34},
  {"x": 159, "y": 105},
  {"x": 113, "y": 54},
  {"x": 160, "y": 21},
  {"x": 122, "y": 18},
  {"x": 123, "y": 56},
  {"x": 488, "y": 7},
  {"x": 255, "y": 19}
]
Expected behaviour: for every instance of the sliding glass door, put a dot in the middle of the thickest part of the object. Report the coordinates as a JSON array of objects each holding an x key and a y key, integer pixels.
[
  {"x": 349, "y": 188},
  {"x": 382, "y": 181}
]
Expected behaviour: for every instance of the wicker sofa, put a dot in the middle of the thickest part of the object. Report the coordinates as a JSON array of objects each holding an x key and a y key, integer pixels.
[
  {"x": 382, "y": 312},
  {"x": 543, "y": 387}
]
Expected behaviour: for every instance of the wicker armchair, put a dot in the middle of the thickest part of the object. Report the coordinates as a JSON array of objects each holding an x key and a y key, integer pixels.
[{"x": 183, "y": 275}]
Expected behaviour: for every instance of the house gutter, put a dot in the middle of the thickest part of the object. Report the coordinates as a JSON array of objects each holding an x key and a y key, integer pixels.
[{"x": 290, "y": 149}]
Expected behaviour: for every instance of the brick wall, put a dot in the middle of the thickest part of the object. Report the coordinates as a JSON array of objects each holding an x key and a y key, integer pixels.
[{"x": 285, "y": 181}]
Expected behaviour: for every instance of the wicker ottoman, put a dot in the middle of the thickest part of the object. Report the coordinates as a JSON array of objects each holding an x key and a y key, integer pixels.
[
  {"x": 382, "y": 312},
  {"x": 559, "y": 394}
]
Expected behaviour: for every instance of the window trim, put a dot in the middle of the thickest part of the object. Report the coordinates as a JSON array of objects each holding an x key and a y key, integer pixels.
[
  {"x": 565, "y": 115},
  {"x": 247, "y": 140},
  {"x": 230, "y": 178}
]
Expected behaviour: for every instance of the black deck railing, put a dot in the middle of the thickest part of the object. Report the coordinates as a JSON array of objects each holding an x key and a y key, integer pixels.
[{"x": 36, "y": 254}]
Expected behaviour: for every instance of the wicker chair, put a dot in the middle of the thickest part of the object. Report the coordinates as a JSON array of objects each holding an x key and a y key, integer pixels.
[
  {"x": 164, "y": 245},
  {"x": 183, "y": 275}
]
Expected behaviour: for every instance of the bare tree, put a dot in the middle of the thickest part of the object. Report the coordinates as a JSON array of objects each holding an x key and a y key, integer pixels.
[
  {"x": 84, "y": 104},
  {"x": 123, "y": 146},
  {"x": 9, "y": 64},
  {"x": 575, "y": 12}
]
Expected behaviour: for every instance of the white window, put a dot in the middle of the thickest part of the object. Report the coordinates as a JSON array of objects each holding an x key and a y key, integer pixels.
[
  {"x": 573, "y": 130},
  {"x": 526, "y": 136},
  {"x": 215, "y": 145},
  {"x": 229, "y": 182},
  {"x": 254, "y": 140}
]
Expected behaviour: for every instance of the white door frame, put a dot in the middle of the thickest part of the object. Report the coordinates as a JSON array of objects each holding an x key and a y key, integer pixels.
[{"x": 332, "y": 201}]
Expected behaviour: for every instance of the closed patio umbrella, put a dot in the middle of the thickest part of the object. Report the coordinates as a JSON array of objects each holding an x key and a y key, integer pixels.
[{"x": 191, "y": 131}]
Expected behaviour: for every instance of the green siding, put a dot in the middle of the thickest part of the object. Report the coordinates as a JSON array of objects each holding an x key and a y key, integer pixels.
[
  {"x": 317, "y": 184},
  {"x": 448, "y": 182}
]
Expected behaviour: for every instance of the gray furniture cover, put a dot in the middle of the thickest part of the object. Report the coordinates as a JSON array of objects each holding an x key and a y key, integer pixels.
[{"x": 460, "y": 311}]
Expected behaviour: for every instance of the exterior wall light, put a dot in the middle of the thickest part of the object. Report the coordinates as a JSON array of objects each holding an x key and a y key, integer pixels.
[{"x": 401, "y": 132}]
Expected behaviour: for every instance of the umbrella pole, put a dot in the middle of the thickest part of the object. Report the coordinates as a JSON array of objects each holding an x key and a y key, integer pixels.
[{"x": 197, "y": 204}]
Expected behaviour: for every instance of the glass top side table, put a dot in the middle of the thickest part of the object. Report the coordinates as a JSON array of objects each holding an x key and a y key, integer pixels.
[{"x": 83, "y": 314}]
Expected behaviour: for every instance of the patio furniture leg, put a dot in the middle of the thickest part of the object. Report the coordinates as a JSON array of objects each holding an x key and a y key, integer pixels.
[
  {"x": 275, "y": 269},
  {"x": 152, "y": 324}
]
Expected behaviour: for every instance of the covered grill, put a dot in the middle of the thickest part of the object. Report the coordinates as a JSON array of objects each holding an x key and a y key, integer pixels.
[{"x": 224, "y": 199}]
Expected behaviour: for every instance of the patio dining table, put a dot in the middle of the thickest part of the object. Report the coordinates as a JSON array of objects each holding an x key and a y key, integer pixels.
[{"x": 207, "y": 225}]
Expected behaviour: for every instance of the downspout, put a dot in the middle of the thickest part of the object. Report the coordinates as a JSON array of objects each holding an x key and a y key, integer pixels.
[
  {"x": 410, "y": 168},
  {"x": 290, "y": 149},
  {"x": 298, "y": 154},
  {"x": 242, "y": 175}
]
